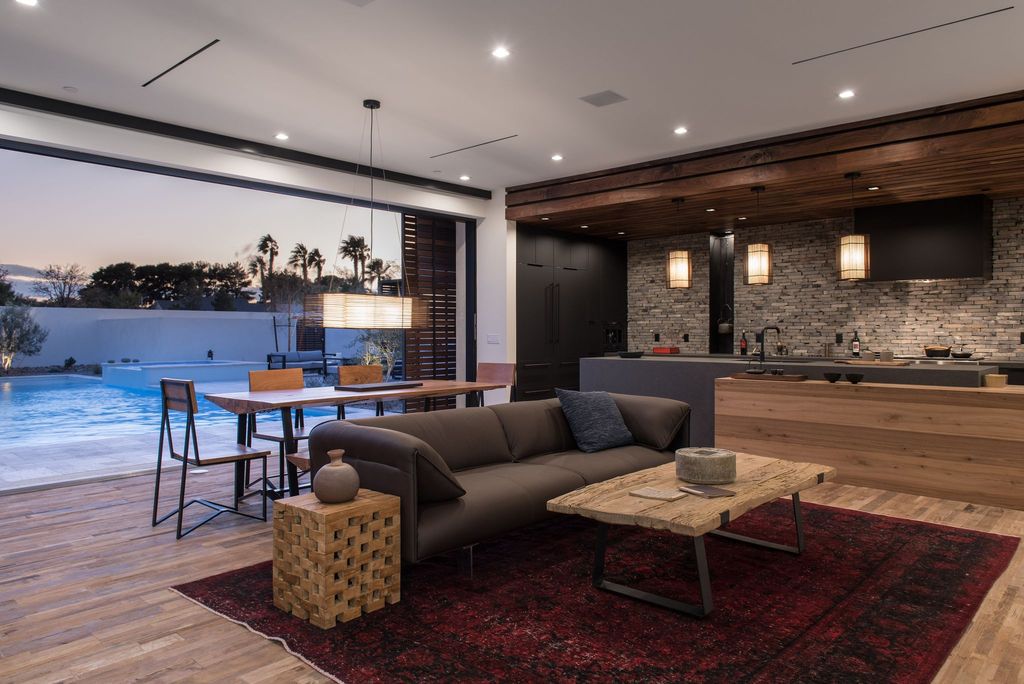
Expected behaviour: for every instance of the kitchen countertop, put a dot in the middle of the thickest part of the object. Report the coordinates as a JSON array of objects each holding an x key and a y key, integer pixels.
[{"x": 793, "y": 363}]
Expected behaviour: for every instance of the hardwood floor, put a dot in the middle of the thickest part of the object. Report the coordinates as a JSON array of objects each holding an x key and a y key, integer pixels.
[{"x": 83, "y": 587}]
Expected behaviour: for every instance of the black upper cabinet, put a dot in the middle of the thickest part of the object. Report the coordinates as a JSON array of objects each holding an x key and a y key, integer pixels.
[{"x": 570, "y": 293}]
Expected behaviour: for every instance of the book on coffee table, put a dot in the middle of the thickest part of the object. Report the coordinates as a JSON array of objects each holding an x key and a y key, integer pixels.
[
  {"x": 707, "y": 491},
  {"x": 659, "y": 494}
]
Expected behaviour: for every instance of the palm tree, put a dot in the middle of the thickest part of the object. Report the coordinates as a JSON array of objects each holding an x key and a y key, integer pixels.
[
  {"x": 300, "y": 259},
  {"x": 258, "y": 268},
  {"x": 267, "y": 246},
  {"x": 316, "y": 260},
  {"x": 378, "y": 269},
  {"x": 354, "y": 247}
]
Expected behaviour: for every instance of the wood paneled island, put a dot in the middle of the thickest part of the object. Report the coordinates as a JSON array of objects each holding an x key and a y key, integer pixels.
[{"x": 961, "y": 443}]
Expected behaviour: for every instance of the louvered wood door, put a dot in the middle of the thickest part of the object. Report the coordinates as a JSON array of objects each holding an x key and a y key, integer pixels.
[{"x": 428, "y": 257}]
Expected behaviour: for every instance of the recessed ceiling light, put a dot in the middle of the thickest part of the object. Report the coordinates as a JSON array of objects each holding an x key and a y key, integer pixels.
[
  {"x": 281, "y": 136},
  {"x": 621, "y": 233},
  {"x": 874, "y": 187},
  {"x": 846, "y": 94},
  {"x": 557, "y": 157},
  {"x": 544, "y": 218},
  {"x": 29, "y": 3},
  {"x": 584, "y": 226},
  {"x": 742, "y": 218},
  {"x": 680, "y": 130},
  {"x": 501, "y": 52},
  {"x": 709, "y": 210},
  {"x": 463, "y": 177}
]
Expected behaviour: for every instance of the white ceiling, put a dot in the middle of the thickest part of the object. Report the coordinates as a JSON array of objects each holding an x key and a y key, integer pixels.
[{"x": 721, "y": 68}]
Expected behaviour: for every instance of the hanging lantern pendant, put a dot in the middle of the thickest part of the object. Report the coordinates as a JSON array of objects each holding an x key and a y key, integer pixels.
[{"x": 853, "y": 253}]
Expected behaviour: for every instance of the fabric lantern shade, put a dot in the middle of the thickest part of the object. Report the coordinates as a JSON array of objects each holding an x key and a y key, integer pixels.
[
  {"x": 854, "y": 257},
  {"x": 678, "y": 268},
  {"x": 759, "y": 264},
  {"x": 365, "y": 311}
]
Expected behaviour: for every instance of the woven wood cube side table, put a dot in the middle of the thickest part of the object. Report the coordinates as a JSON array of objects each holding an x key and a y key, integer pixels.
[{"x": 334, "y": 562}]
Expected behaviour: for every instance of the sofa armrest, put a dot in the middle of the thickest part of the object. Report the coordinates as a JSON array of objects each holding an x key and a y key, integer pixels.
[
  {"x": 391, "y": 462},
  {"x": 275, "y": 358},
  {"x": 655, "y": 422}
]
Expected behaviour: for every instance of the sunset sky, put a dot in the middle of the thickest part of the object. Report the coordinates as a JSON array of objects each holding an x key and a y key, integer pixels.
[{"x": 54, "y": 211}]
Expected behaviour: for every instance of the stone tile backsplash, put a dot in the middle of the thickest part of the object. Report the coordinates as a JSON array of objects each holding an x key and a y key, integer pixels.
[{"x": 810, "y": 305}]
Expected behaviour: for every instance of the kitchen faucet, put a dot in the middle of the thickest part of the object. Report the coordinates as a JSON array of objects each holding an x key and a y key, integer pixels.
[{"x": 764, "y": 342}]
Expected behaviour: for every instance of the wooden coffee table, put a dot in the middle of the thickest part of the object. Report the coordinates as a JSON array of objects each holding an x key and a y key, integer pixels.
[{"x": 758, "y": 481}]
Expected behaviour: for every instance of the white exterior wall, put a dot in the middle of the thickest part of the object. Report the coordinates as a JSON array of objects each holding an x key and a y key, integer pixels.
[{"x": 495, "y": 235}]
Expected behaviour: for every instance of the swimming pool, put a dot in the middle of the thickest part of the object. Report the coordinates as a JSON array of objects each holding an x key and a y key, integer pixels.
[
  {"x": 70, "y": 408},
  {"x": 148, "y": 374}
]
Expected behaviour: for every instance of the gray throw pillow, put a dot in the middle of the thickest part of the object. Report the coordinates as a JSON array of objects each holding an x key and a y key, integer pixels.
[{"x": 594, "y": 419}]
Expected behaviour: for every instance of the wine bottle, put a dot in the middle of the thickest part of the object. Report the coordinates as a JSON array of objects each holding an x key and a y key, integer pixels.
[
  {"x": 743, "y": 343},
  {"x": 856, "y": 345}
]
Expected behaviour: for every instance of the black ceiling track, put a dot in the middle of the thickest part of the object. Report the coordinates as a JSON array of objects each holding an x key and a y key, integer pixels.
[
  {"x": 470, "y": 147},
  {"x": 904, "y": 35},
  {"x": 138, "y": 123},
  {"x": 179, "y": 63}
]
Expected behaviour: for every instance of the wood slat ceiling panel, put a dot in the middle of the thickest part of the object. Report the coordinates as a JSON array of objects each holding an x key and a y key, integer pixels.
[{"x": 956, "y": 150}]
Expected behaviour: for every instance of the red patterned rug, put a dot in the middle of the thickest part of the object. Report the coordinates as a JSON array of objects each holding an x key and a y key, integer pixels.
[{"x": 873, "y": 599}]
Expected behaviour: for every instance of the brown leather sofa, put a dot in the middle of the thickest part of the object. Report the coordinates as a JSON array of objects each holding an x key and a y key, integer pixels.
[{"x": 465, "y": 475}]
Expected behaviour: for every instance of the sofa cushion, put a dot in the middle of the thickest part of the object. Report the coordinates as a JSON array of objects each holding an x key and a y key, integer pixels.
[
  {"x": 498, "y": 498},
  {"x": 605, "y": 464},
  {"x": 595, "y": 420},
  {"x": 534, "y": 427},
  {"x": 465, "y": 438},
  {"x": 654, "y": 421}
]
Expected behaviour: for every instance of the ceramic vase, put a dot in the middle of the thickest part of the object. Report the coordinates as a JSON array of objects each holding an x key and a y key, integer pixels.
[{"x": 336, "y": 482}]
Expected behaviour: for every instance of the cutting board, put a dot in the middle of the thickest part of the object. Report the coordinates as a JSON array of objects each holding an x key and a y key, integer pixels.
[
  {"x": 866, "y": 362},
  {"x": 768, "y": 376}
]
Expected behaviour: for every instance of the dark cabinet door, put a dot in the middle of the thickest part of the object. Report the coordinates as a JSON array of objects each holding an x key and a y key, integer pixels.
[{"x": 534, "y": 312}]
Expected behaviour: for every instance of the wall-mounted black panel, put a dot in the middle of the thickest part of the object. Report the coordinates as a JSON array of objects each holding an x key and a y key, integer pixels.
[{"x": 930, "y": 240}]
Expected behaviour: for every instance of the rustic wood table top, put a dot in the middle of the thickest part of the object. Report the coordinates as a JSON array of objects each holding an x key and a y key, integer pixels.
[
  {"x": 252, "y": 402},
  {"x": 758, "y": 481}
]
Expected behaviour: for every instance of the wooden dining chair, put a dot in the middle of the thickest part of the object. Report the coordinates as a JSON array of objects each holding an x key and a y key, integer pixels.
[
  {"x": 360, "y": 375},
  {"x": 269, "y": 380},
  {"x": 179, "y": 396},
  {"x": 498, "y": 374}
]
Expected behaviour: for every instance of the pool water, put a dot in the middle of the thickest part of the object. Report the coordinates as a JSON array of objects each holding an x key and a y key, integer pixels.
[{"x": 70, "y": 408}]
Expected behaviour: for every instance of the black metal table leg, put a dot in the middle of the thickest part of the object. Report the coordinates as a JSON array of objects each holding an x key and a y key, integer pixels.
[
  {"x": 241, "y": 437},
  {"x": 797, "y": 519},
  {"x": 706, "y": 604}
]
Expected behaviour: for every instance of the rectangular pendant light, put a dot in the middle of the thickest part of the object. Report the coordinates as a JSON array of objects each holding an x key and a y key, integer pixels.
[
  {"x": 366, "y": 311},
  {"x": 678, "y": 268},
  {"x": 853, "y": 257},
  {"x": 759, "y": 264}
]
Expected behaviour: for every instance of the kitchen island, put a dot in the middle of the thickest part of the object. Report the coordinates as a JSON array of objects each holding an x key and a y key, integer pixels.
[
  {"x": 692, "y": 378},
  {"x": 960, "y": 443}
]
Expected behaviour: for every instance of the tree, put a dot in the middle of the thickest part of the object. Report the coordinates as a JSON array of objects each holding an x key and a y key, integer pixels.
[
  {"x": 19, "y": 334},
  {"x": 379, "y": 270},
  {"x": 354, "y": 247},
  {"x": 317, "y": 261},
  {"x": 7, "y": 294},
  {"x": 382, "y": 347},
  {"x": 60, "y": 285},
  {"x": 300, "y": 259},
  {"x": 112, "y": 287},
  {"x": 284, "y": 293},
  {"x": 258, "y": 269},
  {"x": 231, "y": 279},
  {"x": 267, "y": 246}
]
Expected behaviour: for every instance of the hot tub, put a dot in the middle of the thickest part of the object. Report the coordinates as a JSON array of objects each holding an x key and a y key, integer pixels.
[{"x": 148, "y": 374}]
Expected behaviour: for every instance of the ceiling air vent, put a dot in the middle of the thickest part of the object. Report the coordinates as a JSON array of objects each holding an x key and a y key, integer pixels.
[{"x": 604, "y": 98}]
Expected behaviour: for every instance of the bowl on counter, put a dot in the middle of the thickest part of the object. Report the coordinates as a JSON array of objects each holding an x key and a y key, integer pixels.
[
  {"x": 962, "y": 353},
  {"x": 854, "y": 378},
  {"x": 833, "y": 377},
  {"x": 630, "y": 354},
  {"x": 934, "y": 351}
]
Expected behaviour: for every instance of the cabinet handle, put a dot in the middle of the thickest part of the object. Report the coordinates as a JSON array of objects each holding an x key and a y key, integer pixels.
[
  {"x": 536, "y": 365},
  {"x": 548, "y": 313}
]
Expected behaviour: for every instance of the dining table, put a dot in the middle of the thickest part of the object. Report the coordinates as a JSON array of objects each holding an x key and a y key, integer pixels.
[{"x": 246, "y": 403}]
